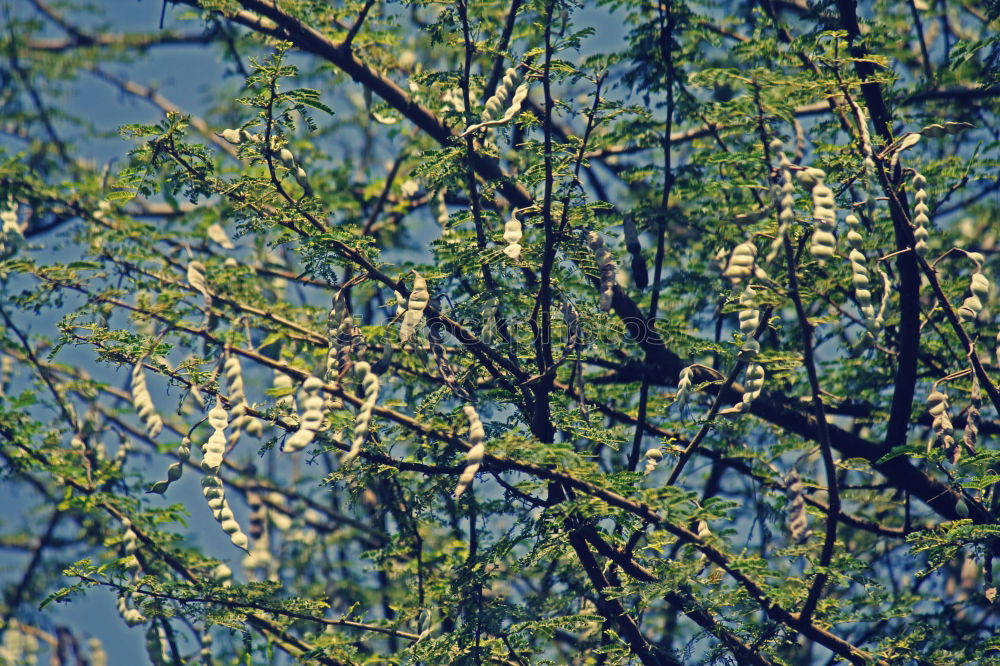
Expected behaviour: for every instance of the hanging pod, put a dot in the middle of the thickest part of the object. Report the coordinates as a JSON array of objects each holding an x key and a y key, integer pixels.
[
  {"x": 474, "y": 457},
  {"x": 362, "y": 421},
  {"x": 419, "y": 297}
]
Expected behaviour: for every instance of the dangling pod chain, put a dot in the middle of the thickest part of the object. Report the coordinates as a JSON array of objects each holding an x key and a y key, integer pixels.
[
  {"x": 312, "y": 416},
  {"x": 607, "y": 268},
  {"x": 474, "y": 458},
  {"x": 143, "y": 402},
  {"x": 415, "y": 306}
]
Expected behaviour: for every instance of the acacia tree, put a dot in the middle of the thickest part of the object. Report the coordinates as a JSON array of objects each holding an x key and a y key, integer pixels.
[{"x": 503, "y": 342}]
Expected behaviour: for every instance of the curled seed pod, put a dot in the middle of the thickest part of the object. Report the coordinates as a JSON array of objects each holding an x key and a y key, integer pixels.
[
  {"x": 130, "y": 543},
  {"x": 973, "y": 305},
  {"x": 937, "y": 405},
  {"x": 312, "y": 416},
  {"x": 653, "y": 456},
  {"x": 860, "y": 277},
  {"x": 510, "y": 80},
  {"x": 219, "y": 235},
  {"x": 370, "y": 385},
  {"x": 749, "y": 322},
  {"x": 921, "y": 218},
  {"x": 474, "y": 458},
  {"x": 798, "y": 518},
  {"x": 132, "y": 616},
  {"x": 512, "y": 235},
  {"x": 214, "y": 492},
  {"x": 741, "y": 262},
  {"x": 972, "y": 420},
  {"x": 491, "y": 307},
  {"x": 338, "y": 312},
  {"x": 436, "y": 338},
  {"x": 143, "y": 402},
  {"x": 753, "y": 384},
  {"x": 233, "y": 136},
  {"x": 196, "y": 278},
  {"x": 639, "y": 273},
  {"x": 214, "y": 448},
  {"x": 176, "y": 470},
  {"x": 607, "y": 268},
  {"x": 684, "y": 385},
  {"x": 520, "y": 94},
  {"x": 419, "y": 297}
]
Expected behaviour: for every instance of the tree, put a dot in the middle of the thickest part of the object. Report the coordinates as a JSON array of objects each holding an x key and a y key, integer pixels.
[{"x": 499, "y": 341}]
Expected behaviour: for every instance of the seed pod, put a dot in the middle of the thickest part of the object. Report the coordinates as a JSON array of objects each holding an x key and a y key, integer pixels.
[
  {"x": 607, "y": 268},
  {"x": 749, "y": 322},
  {"x": 97, "y": 654},
  {"x": 510, "y": 80},
  {"x": 419, "y": 296},
  {"x": 312, "y": 416},
  {"x": 684, "y": 386},
  {"x": 972, "y": 420},
  {"x": 176, "y": 470},
  {"x": 937, "y": 403},
  {"x": 973, "y": 305},
  {"x": 213, "y": 449},
  {"x": 920, "y": 219},
  {"x": 512, "y": 234},
  {"x": 362, "y": 421},
  {"x": 219, "y": 235},
  {"x": 741, "y": 262},
  {"x": 474, "y": 457},
  {"x": 824, "y": 243},
  {"x": 131, "y": 615},
  {"x": 520, "y": 94},
  {"x": 143, "y": 402},
  {"x": 798, "y": 518},
  {"x": 303, "y": 180},
  {"x": 283, "y": 382},
  {"x": 436, "y": 338},
  {"x": 233, "y": 136},
  {"x": 653, "y": 456},
  {"x": 639, "y": 274},
  {"x": 491, "y": 307},
  {"x": 287, "y": 158},
  {"x": 214, "y": 491},
  {"x": 237, "y": 397},
  {"x": 753, "y": 384},
  {"x": 572, "y": 319},
  {"x": 860, "y": 275},
  {"x": 785, "y": 202}
]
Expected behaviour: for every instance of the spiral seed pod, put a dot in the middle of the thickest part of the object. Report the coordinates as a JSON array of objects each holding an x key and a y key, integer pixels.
[
  {"x": 639, "y": 273},
  {"x": 937, "y": 405},
  {"x": 143, "y": 402},
  {"x": 196, "y": 278},
  {"x": 312, "y": 416},
  {"x": 920, "y": 219},
  {"x": 474, "y": 457},
  {"x": 512, "y": 235},
  {"x": 370, "y": 385},
  {"x": 824, "y": 243},
  {"x": 741, "y": 262},
  {"x": 213, "y": 449},
  {"x": 684, "y": 385},
  {"x": 436, "y": 338},
  {"x": 606, "y": 267},
  {"x": 219, "y": 235},
  {"x": 859, "y": 274},
  {"x": 511, "y": 79},
  {"x": 176, "y": 470},
  {"x": 749, "y": 322},
  {"x": 798, "y": 518},
  {"x": 419, "y": 297},
  {"x": 653, "y": 456},
  {"x": 520, "y": 94},
  {"x": 131, "y": 615},
  {"x": 338, "y": 311},
  {"x": 753, "y": 384}
]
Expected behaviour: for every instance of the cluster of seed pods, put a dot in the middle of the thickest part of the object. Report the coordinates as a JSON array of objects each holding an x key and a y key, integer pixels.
[
  {"x": 142, "y": 401},
  {"x": 474, "y": 457},
  {"x": 606, "y": 268}
]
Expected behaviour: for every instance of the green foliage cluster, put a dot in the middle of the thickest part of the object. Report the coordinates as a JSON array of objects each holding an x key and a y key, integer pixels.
[{"x": 708, "y": 322}]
